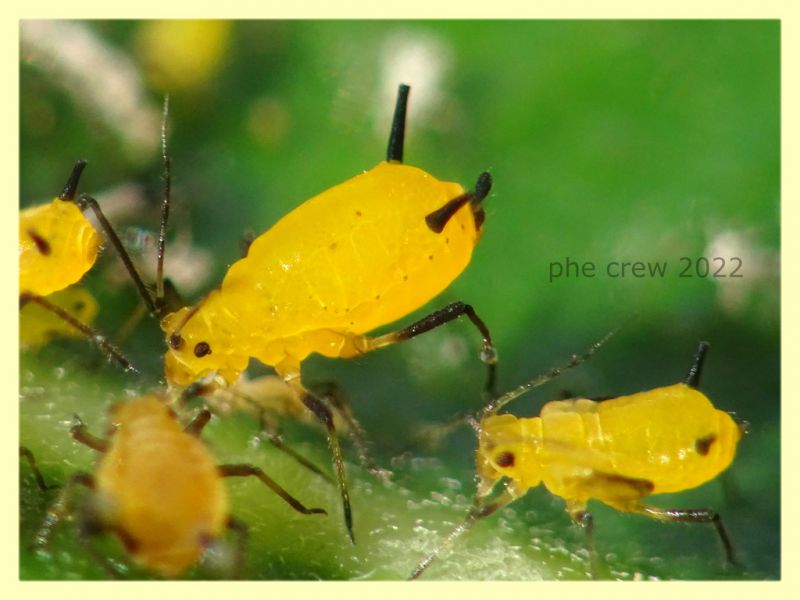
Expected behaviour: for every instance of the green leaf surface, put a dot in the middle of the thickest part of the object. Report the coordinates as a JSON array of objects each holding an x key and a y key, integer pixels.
[{"x": 609, "y": 142}]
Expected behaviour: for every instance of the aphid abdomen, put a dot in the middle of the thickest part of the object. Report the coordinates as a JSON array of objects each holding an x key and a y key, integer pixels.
[
  {"x": 353, "y": 258},
  {"x": 57, "y": 246},
  {"x": 672, "y": 436},
  {"x": 160, "y": 488}
]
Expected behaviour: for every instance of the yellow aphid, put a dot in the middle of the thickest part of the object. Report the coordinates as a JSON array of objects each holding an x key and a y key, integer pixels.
[
  {"x": 357, "y": 256},
  {"x": 182, "y": 54},
  {"x": 57, "y": 246},
  {"x": 617, "y": 451},
  {"x": 37, "y": 325},
  {"x": 160, "y": 486},
  {"x": 157, "y": 487}
]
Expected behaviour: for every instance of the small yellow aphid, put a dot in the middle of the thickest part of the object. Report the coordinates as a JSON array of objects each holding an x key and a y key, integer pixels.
[
  {"x": 57, "y": 244},
  {"x": 182, "y": 54},
  {"x": 617, "y": 451},
  {"x": 158, "y": 488},
  {"x": 57, "y": 247},
  {"x": 37, "y": 325},
  {"x": 357, "y": 256}
]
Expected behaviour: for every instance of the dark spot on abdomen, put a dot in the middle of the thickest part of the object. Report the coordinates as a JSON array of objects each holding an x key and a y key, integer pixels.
[{"x": 703, "y": 444}]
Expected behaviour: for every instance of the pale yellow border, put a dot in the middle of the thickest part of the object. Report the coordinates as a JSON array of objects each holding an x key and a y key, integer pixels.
[{"x": 410, "y": 8}]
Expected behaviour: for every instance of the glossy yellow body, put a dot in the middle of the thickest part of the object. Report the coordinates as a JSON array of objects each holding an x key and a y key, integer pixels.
[
  {"x": 159, "y": 487},
  {"x": 37, "y": 325},
  {"x": 617, "y": 451},
  {"x": 357, "y": 256},
  {"x": 67, "y": 247}
]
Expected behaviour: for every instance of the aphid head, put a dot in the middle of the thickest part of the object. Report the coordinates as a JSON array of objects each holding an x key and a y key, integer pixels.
[
  {"x": 198, "y": 347},
  {"x": 505, "y": 450}
]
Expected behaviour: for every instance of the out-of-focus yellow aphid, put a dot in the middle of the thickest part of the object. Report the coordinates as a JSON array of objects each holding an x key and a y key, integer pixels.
[
  {"x": 158, "y": 488},
  {"x": 357, "y": 256},
  {"x": 181, "y": 55},
  {"x": 57, "y": 243},
  {"x": 57, "y": 247},
  {"x": 618, "y": 451},
  {"x": 38, "y": 326}
]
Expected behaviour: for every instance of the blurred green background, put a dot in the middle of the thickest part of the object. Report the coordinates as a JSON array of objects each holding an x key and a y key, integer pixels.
[{"x": 608, "y": 141}]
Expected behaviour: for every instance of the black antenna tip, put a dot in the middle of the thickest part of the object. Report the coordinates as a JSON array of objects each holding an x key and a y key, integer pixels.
[
  {"x": 394, "y": 151},
  {"x": 68, "y": 193}
]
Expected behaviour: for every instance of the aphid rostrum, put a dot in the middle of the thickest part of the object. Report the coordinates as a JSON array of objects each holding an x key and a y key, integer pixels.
[
  {"x": 618, "y": 451},
  {"x": 357, "y": 256}
]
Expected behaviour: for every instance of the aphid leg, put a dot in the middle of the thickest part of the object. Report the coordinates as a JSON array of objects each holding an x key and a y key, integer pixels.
[
  {"x": 243, "y": 532},
  {"x": 290, "y": 371},
  {"x": 124, "y": 330},
  {"x": 28, "y": 455},
  {"x": 321, "y": 411},
  {"x": 440, "y": 317},
  {"x": 584, "y": 518},
  {"x": 92, "y": 334},
  {"x": 499, "y": 402},
  {"x": 268, "y": 428},
  {"x": 87, "y": 201},
  {"x": 197, "y": 425},
  {"x": 245, "y": 470},
  {"x": 80, "y": 433},
  {"x": 693, "y": 376},
  {"x": 332, "y": 393},
  {"x": 86, "y": 532},
  {"x": 60, "y": 508},
  {"x": 276, "y": 440},
  {"x": 694, "y": 515},
  {"x": 431, "y": 435},
  {"x": 478, "y": 511}
]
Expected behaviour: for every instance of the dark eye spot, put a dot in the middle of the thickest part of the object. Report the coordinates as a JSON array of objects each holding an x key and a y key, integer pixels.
[
  {"x": 202, "y": 349},
  {"x": 505, "y": 459},
  {"x": 703, "y": 444},
  {"x": 42, "y": 245},
  {"x": 175, "y": 341},
  {"x": 78, "y": 306}
]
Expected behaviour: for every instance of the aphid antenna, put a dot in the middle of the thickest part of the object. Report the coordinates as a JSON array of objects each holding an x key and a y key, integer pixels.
[
  {"x": 497, "y": 403},
  {"x": 165, "y": 204},
  {"x": 693, "y": 376},
  {"x": 477, "y": 511},
  {"x": 394, "y": 151}
]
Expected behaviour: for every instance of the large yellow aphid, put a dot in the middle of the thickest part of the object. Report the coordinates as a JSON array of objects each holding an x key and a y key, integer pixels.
[
  {"x": 158, "y": 488},
  {"x": 617, "y": 451},
  {"x": 357, "y": 256}
]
